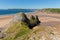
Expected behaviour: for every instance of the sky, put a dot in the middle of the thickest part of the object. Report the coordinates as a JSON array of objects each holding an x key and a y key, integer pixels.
[{"x": 29, "y": 4}]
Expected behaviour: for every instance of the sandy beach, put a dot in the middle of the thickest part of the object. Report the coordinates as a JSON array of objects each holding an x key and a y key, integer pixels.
[
  {"x": 50, "y": 19},
  {"x": 5, "y": 19}
]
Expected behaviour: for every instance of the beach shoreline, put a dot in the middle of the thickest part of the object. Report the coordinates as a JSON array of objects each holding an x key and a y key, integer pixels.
[{"x": 5, "y": 19}]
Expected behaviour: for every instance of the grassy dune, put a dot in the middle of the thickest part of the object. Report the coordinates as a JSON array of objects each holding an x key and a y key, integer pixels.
[
  {"x": 17, "y": 31},
  {"x": 20, "y": 29},
  {"x": 54, "y": 10}
]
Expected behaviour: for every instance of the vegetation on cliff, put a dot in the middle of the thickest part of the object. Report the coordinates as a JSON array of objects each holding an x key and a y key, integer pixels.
[
  {"x": 53, "y": 10},
  {"x": 19, "y": 30}
]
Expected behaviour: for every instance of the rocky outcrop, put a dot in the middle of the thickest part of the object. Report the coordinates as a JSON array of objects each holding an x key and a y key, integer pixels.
[{"x": 32, "y": 22}]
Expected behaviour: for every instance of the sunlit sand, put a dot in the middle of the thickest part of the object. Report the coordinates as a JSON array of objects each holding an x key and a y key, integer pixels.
[{"x": 5, "y": 20}]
